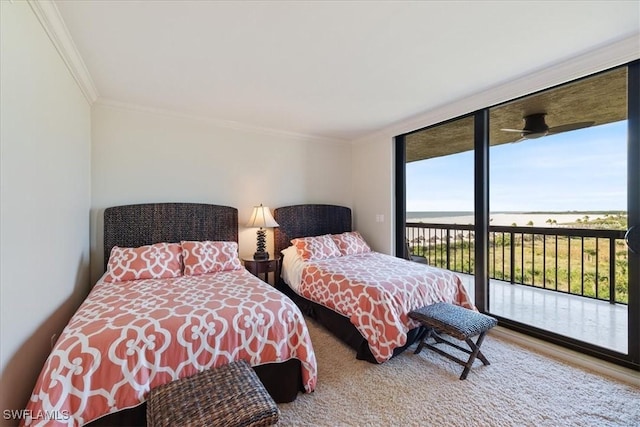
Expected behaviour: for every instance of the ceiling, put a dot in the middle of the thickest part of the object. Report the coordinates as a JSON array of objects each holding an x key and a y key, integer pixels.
[
  {"x": 339, "y": 70},
  {"x": 599, "y": 99}
]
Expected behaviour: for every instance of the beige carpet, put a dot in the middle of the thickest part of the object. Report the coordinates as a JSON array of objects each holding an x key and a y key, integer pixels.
[{"x": 519, "y": 388}]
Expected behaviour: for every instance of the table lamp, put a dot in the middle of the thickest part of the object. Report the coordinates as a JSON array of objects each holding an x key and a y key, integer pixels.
[{"x": 261, "y": 217}]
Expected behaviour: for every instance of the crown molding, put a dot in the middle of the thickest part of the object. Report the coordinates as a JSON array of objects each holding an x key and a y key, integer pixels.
[
  {"x": 598, "y": 59},
  {"x": 53, "y": 24},
  {"x": 228, "y": 124}
]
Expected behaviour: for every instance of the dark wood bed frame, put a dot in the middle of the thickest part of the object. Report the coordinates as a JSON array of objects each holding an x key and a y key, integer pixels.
[
  {"x": 145, "y": 224},
  {"x": 316, "y": 220}
]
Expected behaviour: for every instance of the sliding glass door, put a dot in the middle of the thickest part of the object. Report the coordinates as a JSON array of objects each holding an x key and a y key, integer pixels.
[
  {"x": 558, "y": 262},
  {"x": 439, "y": 190},
  {"x": 556, "y": 189}
]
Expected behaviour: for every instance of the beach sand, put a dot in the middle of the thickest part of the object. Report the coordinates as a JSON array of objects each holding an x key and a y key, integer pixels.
[{"x": 520, "y": 219}]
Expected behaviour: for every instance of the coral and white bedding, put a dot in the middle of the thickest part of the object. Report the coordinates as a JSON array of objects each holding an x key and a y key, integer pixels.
[
  {"x": 129, "y": 337},
  {"x": 375, "y": 291}
]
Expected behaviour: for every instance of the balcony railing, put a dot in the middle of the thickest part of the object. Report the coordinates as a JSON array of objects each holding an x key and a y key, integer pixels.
[{"x": 590, "y": 263}]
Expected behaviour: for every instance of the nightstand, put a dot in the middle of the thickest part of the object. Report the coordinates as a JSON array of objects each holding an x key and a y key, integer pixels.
[{"x": 258, "y": 267}]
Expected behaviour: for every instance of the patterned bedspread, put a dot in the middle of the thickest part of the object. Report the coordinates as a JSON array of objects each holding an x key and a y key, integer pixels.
[
  {"x": 377, "y": 291},
  {"x": 129, "y": 337}
]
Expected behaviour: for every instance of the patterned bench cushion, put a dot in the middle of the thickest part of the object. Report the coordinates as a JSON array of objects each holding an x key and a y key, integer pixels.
[{"x": 453, "y": 320}]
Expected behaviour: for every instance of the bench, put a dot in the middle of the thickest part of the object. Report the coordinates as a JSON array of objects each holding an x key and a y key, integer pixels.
[
  {"x": 457, "y": 322},
  {"x": 230, "y": 395}
]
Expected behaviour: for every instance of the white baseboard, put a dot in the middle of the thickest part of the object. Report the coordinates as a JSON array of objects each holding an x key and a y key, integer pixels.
[{"x": 611, "y": 370}]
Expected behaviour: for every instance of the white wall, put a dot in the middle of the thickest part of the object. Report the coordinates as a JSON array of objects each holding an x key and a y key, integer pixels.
[
  {"x": 44, "y": 232},
  {"x": 373, "y": 155},
  {"x": 146, "y": 156},
  {"x": 373, "y": 192}
]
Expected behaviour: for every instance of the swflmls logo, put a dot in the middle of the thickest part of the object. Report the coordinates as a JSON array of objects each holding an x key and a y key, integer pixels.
[{"x": 29, "y": 415}]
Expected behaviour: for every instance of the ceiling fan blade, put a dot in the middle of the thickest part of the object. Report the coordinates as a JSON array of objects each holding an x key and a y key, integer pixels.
[
  {"x": 518, "y": 140},
  {"x": 516, "y": 130},
  {"x": 569, "y": 127}
]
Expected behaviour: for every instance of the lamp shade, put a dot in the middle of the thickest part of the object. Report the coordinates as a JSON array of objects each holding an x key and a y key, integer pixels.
[{"x": 261, "y": 217}]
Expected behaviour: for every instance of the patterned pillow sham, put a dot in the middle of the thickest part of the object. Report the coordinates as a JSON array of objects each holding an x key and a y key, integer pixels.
[
  {"x": 209, "y": 257},
  {"x": 316, "y": 248},
  {"x": 351, "y": 243},
  {"x": 157, "y": 261}
]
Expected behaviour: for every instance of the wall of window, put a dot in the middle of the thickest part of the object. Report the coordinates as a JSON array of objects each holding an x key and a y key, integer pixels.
[{"x": 569, "y": 149}]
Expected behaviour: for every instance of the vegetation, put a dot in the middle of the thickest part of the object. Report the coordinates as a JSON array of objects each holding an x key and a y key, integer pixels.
[
  {"x": 617, "y": 221},
  {"x": 576, "y": 265}
]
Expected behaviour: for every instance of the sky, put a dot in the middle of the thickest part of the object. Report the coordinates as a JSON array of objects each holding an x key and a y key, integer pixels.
[{"x": 582, "y": 170}]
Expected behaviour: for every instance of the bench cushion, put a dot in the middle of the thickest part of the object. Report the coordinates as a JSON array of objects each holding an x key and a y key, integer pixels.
[
  {"x": 230, "y": 395},
  {"x": 453, "y": 320}
]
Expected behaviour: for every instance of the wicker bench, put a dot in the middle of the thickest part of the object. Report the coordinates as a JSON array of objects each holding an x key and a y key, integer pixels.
[
  {"x": 457, "y": 322},
  {"x": 230, "y": 395}
]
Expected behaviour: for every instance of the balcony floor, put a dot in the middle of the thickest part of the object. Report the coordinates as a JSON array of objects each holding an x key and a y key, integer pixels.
[{"x": 585, "y": 319}]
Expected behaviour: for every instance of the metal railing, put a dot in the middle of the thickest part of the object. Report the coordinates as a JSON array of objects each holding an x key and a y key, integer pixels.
[{"x": 586, "y": 262}]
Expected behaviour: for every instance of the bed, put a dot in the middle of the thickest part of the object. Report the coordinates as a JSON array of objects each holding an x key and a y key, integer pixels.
[
  {"x": 361, "y": 296},
  {"x": 135, "y": 332}
]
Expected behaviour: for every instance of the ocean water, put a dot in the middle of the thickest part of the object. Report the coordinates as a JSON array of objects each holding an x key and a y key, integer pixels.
[{"x": 538, "y": 219}]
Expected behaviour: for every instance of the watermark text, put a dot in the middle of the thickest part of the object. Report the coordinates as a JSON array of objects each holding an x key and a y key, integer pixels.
[{"x": 28, "y": 414}]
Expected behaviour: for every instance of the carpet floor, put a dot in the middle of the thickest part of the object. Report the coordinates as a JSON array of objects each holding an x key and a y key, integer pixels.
[{"x": 519, "y": 388}]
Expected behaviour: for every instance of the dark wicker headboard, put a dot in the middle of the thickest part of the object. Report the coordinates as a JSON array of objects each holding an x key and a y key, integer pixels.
[
  {"x": 145, "y": 224},
  {"x": 309, "y": 220}
]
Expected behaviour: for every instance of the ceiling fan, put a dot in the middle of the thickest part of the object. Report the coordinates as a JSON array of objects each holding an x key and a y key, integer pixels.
[{"x": 536, "y": 127}]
